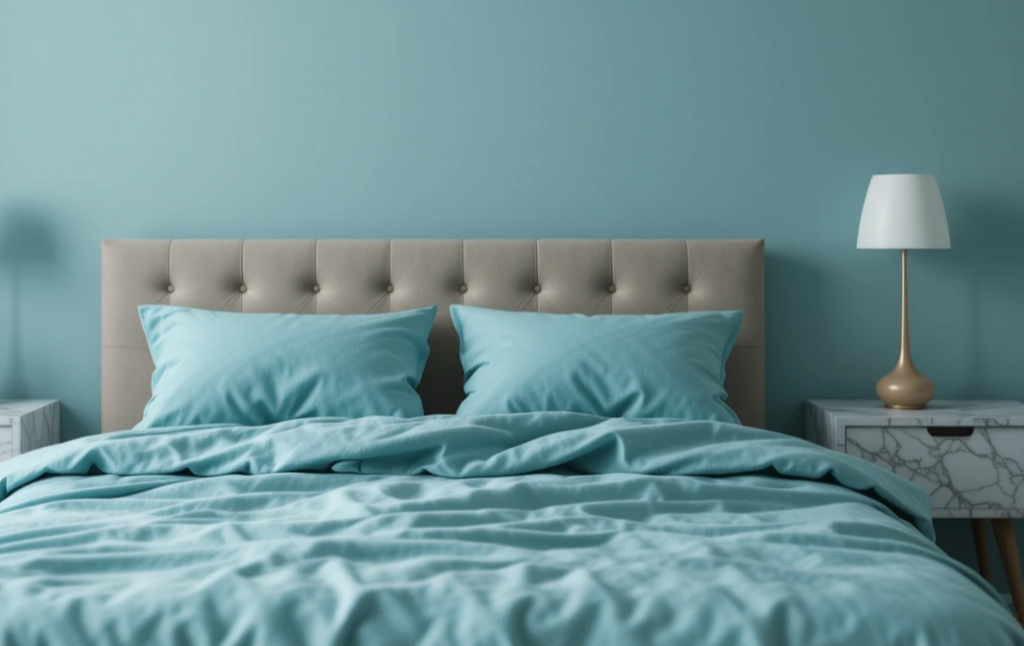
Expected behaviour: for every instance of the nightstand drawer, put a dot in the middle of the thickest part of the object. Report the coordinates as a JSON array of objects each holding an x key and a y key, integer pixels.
[{"x": 963, "y": 468}]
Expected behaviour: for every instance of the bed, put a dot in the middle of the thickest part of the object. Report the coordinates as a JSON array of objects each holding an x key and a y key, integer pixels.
[{"x": 541, "y": 528}]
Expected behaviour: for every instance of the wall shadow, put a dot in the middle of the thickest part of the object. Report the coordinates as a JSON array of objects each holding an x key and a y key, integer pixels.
[
  {"x": 795, "y": 320},
  {"x": 27, "y": 244},
  {"x": 986, "y": 255}
]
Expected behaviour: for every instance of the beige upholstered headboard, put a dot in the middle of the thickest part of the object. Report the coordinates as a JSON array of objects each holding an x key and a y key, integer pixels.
[{"x": 363, "y": 276}]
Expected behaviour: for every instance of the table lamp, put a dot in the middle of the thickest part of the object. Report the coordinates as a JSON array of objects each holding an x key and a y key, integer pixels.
[{"x": 904, "y": 212}]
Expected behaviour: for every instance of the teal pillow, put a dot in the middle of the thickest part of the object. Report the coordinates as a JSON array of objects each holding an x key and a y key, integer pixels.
[
  {"x": 255, "y": 369},
  {"x": 658, "y": 365}
]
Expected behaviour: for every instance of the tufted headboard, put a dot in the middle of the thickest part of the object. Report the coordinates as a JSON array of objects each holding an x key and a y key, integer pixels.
[{"x": 364, "y": 276}]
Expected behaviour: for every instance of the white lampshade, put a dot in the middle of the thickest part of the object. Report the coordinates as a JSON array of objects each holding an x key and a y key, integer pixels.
[{"x": 903, "y": 212}]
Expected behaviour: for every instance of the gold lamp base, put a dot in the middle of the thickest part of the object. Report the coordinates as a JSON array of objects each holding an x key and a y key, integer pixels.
[{"x": 905, "y": 388}]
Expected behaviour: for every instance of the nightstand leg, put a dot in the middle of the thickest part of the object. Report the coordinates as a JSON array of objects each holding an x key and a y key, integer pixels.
[
  {"x": 1006, "y": 539},
  {"x": 981, "y": 547}
]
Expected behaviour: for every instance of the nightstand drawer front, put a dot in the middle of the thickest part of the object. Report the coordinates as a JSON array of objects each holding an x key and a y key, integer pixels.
[
  {"x": 964, "y": 469},
  {"x": 6, "y": 442}
]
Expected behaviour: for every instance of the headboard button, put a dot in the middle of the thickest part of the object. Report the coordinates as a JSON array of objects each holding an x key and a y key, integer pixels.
[
  {"x": 687, "y": 289},
  {"x": 243, "y": 289},
  {"x": 170, "y": 289},
  {"x": 536, "y": 289},
  {"x": 611, "y": 289},
  {"x": 463, "y": 289},
  {"x": 389, "y": 288},
  {"x": 316, "y": 289}
]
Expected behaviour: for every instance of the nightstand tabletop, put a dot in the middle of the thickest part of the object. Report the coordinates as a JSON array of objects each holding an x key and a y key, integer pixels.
[
  {"x": 946, "y": 412},
  {"x": 22, "y": 407}
]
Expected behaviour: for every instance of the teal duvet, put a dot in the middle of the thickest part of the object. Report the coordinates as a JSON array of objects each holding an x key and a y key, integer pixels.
[{"x": 518, "y": 529}]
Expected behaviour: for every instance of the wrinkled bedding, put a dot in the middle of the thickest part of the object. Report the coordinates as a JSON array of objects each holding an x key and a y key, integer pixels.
[{"x": 518, "y": 529}]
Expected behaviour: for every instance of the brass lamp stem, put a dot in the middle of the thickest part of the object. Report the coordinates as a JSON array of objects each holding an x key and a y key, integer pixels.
[
  {"x": 905, "y": 326},
  {"x": 905, "y": 387}
]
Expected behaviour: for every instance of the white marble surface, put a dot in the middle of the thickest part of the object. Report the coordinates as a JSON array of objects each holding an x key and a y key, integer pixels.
[
  {"x": 20, "y": 407},
  {"x": 977, "y": 474},
  {"x": 949, "y": 412},
  {"x": 6, "y": 442},
  {"x": 28, "y": 424}
]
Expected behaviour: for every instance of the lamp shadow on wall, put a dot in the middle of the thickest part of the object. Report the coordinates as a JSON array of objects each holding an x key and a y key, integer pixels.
[
  {"x": 27, "y": 243},
  {"x": 986, "y": 256}
]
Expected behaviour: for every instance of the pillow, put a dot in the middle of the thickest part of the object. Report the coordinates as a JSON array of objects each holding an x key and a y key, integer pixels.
[
  {"x": 658, "y": 365},
  {"x": 255, "y": 369}
]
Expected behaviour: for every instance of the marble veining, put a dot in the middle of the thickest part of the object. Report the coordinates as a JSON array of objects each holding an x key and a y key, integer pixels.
[
  {"x": 26, "y": 425},
  {"x": 983, "y": 471},
  {"x": 977, "y": 474}
]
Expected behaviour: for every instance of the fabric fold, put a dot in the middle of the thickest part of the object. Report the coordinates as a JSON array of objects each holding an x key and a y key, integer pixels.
[{"x": 474, "y": 447}]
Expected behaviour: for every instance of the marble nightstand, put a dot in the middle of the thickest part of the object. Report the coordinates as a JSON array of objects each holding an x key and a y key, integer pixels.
[
  {"x": 968, "y": 455},
  {"x": 27, "y": 424}
]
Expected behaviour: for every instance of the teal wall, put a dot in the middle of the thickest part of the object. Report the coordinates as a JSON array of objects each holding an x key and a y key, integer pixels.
[{"x": 242, "y": 118}]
